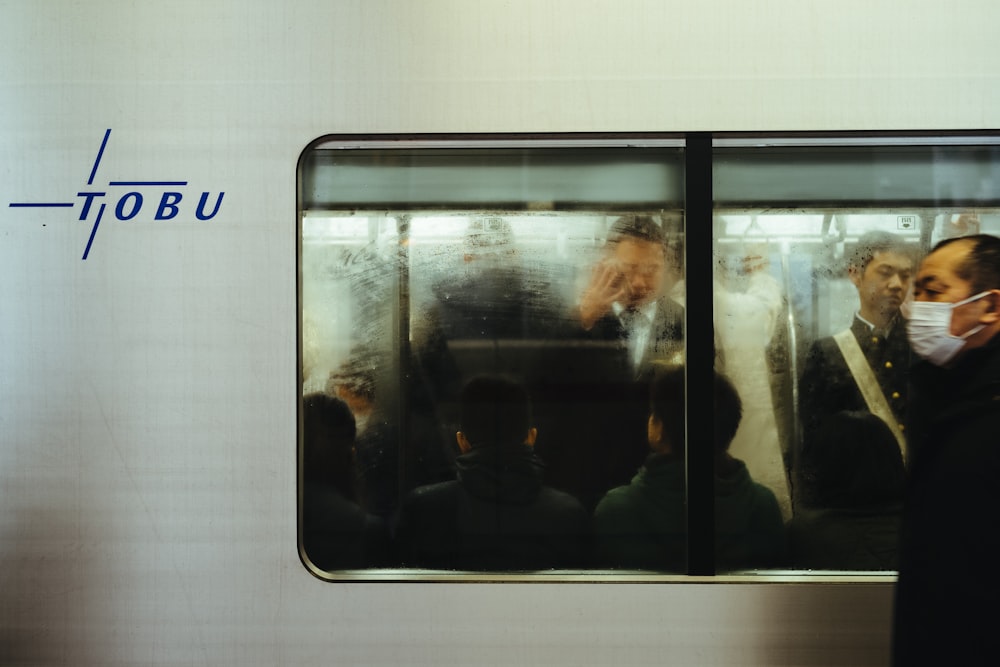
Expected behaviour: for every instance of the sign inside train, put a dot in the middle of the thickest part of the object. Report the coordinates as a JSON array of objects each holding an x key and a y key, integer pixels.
[{"x": 134, "y": 200}]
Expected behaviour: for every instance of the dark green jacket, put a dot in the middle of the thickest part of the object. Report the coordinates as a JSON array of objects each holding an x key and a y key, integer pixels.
[{"x": 642, "y": 525}]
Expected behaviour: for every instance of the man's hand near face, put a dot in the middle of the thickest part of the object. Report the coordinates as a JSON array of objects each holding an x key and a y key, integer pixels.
[{"x": 607, "y": 285}]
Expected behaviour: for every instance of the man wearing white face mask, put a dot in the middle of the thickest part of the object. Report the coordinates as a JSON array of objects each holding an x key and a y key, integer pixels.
[{"x": 946, "y": 598}]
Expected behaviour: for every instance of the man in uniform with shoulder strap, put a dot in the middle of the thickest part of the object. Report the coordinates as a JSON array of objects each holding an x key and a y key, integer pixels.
[{"x": 865, "y": 367}]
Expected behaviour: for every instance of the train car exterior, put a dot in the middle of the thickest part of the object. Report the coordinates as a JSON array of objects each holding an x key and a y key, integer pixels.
[{"x": 149, "y": 341}]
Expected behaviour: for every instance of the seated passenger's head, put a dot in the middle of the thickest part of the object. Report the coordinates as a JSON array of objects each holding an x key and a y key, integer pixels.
[
  {"x": 496, "y": 412},
  {"x": 852, "y": 460},
  {"x": 328, "y": 432},
  {"x": 637, "y": 249},
  {"x": 666, "y": 426}
]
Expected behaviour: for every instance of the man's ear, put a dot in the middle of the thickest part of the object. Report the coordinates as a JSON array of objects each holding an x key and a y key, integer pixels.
[
  {"x": 529, "y": 439},
  {"x": 992, "y": 313},
  {"x": 654, "y": 430},
  {"x": 463, "y": 443},
  {"x": 855, "y": 274}
]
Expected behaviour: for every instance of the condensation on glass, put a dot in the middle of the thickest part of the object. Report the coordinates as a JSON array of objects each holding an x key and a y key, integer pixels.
[
  {"x": 426, "y": 265},
  {"x": 442, "y": 278},
  {"x": 816, "y": 247}
]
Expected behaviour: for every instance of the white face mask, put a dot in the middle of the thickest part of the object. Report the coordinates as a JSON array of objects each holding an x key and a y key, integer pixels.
[{"x": 929, "y": 330}]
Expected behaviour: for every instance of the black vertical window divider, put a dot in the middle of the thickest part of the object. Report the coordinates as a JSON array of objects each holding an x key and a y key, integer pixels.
[{"x": 700, "y": 355}]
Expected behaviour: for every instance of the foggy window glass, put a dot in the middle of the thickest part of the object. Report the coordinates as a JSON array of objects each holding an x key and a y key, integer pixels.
[
  {"x": 493, "y": 338},
  {"x": 784, "y": 289},
  {"x": 477, "y": 346},
  {"x": 816, "y": 250}
]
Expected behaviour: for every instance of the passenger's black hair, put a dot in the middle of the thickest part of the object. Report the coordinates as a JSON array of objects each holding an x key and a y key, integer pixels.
[
  {"x": 982, "y": 265},
  {"x": 851, "y": 460},
  {"x": 871, "y": 243},
  {"x": 667, "y": 404},
  {"x": 638, "y": 227},
  {"x": 328, "y": 432},
  {"x": 496, "y": 411}
]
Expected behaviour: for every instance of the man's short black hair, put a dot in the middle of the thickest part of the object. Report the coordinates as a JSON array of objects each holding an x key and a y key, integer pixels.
[
  {"x": 637, "y": 227},
  {"x": 667, "y": 404},
  {"x": 496, "y": 411},
  {"x": 982, "y": 265},
  {"x": 870, "y": 244},
  {"x": 328, "y": 432}
]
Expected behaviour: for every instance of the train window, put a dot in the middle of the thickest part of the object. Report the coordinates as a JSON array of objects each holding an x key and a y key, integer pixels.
[
  {"x": 817, "y": 246},
  {"x": 478, "y": 329},
  {"x": 506, "y": 350}
]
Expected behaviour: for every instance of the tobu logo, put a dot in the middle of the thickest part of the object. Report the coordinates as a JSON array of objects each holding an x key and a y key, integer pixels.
[{"x": 153, "y": 200}]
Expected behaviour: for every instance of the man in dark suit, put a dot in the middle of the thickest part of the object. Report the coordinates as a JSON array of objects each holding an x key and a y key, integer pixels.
[
  {"x": 594, "y": 396},
  {"x": 625, "y": 300}
]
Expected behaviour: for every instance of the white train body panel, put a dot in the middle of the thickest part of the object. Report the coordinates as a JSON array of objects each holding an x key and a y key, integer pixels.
[{"x": 148, "y": 394}]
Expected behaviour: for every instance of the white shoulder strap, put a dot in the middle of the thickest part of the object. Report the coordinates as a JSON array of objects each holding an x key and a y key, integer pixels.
[{"x": 870, "y": 389}]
